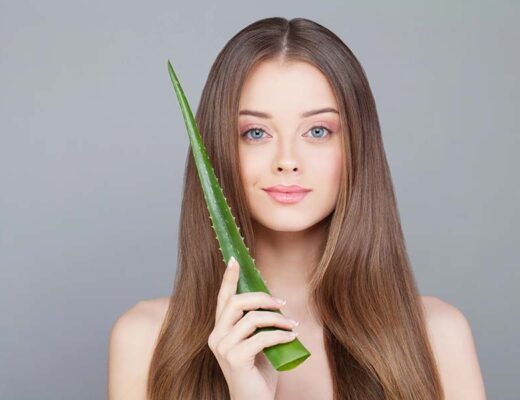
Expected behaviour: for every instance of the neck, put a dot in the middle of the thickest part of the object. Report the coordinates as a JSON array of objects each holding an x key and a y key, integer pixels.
[{"x": 286, "y": 261}]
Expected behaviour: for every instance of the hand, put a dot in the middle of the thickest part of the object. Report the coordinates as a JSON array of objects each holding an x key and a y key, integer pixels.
[{"x": 248, "y": 373}]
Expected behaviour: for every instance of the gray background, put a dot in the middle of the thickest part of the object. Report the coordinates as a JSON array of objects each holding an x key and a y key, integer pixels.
[{"x": 93, "y": 147}]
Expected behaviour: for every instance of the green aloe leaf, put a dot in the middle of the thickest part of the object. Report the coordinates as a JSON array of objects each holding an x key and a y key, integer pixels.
[{"x": 282, "y": 356}]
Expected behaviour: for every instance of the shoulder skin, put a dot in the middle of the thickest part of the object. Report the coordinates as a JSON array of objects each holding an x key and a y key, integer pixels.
[
  {"x": 132, "y": 341},
  {"x": 454, "y": 349}
]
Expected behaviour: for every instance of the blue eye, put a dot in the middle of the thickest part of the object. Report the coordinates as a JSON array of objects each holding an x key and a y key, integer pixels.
[
  {"x": 253, "y": 131},
  {"x": 320, "y": 127},
  {"x": 257, "y": 132}
]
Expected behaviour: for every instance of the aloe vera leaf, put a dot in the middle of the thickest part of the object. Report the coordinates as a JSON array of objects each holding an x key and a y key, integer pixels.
[{"x": 282, "y": 356}]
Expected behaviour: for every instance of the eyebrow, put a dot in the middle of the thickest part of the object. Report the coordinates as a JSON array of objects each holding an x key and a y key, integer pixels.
[{"x": 304, "y": 115}]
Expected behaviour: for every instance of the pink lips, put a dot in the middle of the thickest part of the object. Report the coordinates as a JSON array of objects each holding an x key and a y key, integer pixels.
[
  {"x": 287, "y": 194},
  {"x": 287, "y": 189}
]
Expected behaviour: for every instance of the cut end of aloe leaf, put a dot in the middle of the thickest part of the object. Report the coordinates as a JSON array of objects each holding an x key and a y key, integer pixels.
[
  {"x": 286, "y": 356},
  {"x": 293, "y": 364}
]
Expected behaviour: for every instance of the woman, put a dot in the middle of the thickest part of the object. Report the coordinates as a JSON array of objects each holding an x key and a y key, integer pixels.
[{"x": 287, "y": 103}]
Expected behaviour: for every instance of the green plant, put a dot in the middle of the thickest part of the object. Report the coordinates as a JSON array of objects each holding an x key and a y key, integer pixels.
[{"x": 282, "y": 356}]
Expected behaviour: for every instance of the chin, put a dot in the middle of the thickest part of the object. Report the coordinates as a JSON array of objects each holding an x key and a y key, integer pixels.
[{"x": 287, "y": 223}]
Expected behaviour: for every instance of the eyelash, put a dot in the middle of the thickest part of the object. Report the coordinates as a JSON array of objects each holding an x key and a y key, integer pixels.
[{"x": 243, "y": 134}]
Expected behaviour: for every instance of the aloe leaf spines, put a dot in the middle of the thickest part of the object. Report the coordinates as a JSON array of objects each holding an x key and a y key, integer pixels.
[{"x": 282, "y": 356}]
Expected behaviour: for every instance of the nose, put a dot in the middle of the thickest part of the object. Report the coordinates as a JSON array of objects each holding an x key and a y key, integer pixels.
[
  {"x": 287, "y": 155},
  {"x": 286, "y": 159},
  {"x": 281, "y": 168}
]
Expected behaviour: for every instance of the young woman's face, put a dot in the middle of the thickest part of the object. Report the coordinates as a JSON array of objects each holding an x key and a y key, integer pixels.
[{"x": 285, "y": 148}]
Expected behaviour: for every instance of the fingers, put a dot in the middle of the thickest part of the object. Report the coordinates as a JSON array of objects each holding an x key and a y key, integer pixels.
[
  {"x": 249, "y": 348},
  {"x": 247, "y": 325},
  {"x": 235, "y": 306}
]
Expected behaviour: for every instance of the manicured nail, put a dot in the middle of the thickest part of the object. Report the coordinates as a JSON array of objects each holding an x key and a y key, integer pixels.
[{"x": 280, "y": 301}]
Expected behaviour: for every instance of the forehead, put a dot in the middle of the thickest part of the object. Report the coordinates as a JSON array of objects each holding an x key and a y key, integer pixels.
[{"x": 275, "y": 86}]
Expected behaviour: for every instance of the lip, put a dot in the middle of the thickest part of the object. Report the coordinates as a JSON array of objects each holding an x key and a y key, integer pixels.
[
  {"x": 287, "y": 197},
  {"x": 287, "y": 189}
]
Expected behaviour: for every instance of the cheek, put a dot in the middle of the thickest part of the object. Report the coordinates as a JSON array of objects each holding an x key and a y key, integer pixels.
[
  {"x": 332, "y": 170},
  {"x": 328, "y": 165},
  {"x": 250, "y": 167},
  {"x": 336, "y": 161}
]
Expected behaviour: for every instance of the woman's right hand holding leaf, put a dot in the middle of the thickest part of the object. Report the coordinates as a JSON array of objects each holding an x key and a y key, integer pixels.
[{"x": 247, "y": 371}]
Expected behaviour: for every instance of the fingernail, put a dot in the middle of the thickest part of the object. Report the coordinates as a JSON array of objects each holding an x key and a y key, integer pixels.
[
  {"x": 292, "y": 321},
  {"x": 232, "y": 262},
  {"x": 280, "y": 301}
]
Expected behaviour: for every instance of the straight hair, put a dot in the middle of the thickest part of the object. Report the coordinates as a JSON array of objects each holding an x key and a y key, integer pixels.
[{"x": 363, "y": 287}]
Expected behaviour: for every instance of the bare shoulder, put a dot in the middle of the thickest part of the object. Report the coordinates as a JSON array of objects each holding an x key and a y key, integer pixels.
[
  {"x": 132, "y": 340},
  {"x": 454, "y": 348}
]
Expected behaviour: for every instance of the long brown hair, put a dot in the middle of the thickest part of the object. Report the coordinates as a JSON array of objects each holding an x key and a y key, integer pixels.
[{"x": 363, "y": 287}]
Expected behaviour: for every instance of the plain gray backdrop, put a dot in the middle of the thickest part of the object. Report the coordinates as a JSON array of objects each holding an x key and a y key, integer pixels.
[{"x": 93, "y": 147}]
